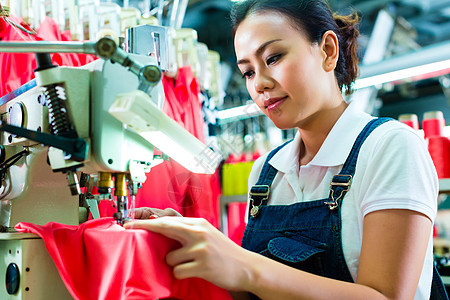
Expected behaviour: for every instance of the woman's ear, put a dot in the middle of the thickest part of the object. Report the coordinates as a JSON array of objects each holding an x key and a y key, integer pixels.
[{"x": 330, "y": 50}]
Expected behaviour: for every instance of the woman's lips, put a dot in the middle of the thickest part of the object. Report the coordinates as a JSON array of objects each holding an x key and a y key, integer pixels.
[{"x": 274, "y": 103}]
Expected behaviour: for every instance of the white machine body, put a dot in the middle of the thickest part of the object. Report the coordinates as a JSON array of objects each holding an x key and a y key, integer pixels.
[
  {"x": 90, "y": 92},
  {"x": 32, "y": 192}
]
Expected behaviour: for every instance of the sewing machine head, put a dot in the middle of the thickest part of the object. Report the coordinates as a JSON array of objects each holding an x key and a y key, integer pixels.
[{"x": 101, "y": 121}]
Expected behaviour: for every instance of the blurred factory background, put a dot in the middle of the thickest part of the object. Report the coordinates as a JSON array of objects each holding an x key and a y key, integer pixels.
[
  {"x": 416, "y": 24},
  {"x": 404, "y": 72}
]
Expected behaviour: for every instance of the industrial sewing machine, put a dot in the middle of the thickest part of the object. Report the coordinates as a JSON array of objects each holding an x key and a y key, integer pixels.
[{"x": 101, "y": 122}]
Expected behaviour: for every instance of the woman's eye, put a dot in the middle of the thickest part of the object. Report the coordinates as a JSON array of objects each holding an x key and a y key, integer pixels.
[
  {"x": 273, "y": 59},
  {"x": 247, "y": 74}
]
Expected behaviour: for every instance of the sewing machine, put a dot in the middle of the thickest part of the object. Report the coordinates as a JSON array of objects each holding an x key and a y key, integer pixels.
[{"x": 101, "y": 122}]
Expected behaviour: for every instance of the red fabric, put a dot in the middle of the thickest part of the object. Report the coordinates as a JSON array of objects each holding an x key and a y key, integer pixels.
[
  {"x": 17, "y": 68},
  {"x": 183, "y": 104},
  {"x": 203, "y": 197},
  {"x": 49, "y": 31},
  {"x": 106, "y": 208},
  {"x": 169, "y": 184},
  {"x": 101, "y": 260},
  {"x": 236, "y": 221}
]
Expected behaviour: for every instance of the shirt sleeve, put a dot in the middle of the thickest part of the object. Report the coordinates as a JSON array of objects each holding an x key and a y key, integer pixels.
[{"x": 399, "y": 174}]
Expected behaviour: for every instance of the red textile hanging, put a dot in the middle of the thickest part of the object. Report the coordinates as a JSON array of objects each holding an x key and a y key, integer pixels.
[
  {"x": 183, "y": 104},
  {"x": 49, "y": 31},
  {"x": 101, "y": 260},
  {"x": 16, "y": 69},
  {"x": 236, "y": 224},
  {"x": 169, "y": 184}
]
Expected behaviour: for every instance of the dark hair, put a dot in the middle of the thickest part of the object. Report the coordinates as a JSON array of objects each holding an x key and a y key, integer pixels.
[{"x": 314, "y": 17}]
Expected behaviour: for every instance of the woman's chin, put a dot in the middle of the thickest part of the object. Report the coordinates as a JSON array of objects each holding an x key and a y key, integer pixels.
[{"x": 283, "y": 125}]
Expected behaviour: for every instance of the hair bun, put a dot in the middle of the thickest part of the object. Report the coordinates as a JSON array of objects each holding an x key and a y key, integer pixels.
[{"x": 349, "y": 32}]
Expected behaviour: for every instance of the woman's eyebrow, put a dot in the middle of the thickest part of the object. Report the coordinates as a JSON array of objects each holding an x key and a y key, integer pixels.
[{"x": 258, "y": 51}]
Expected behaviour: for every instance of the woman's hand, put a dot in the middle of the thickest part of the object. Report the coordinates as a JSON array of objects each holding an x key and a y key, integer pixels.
[
  {"x": 153, "y": 213},
  {"x": 205, "y": 252}
]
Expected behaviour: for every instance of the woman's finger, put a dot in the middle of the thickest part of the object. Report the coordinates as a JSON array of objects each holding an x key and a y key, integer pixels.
[
  {"x": 172, "y": 227},
  {"x": 193, "y": 221},
  {"x": 179, "y": 256},
  {"x": 187, "y": 270},
  {"x": 143, "y": 213},
  {"x": 149, "y": 212},
  {"x": 170, "y": 212}
]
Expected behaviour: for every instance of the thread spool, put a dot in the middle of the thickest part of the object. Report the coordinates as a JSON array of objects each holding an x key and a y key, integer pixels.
[
  {"x": 410, "y": 119},
  {"x": 227, "y": 180},
  {"x": 439, "y": 148},
  {"x": 433, "y": 124},
  {"x": 228, "y": 171}
]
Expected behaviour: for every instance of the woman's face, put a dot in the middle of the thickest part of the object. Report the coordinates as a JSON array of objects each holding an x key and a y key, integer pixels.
[{"x": 283, "y": 70}]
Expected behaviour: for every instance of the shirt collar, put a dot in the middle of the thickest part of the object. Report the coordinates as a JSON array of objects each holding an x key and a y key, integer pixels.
[
  {"x": 287, "y": 157},
  {"x": 336, "y": 147}
]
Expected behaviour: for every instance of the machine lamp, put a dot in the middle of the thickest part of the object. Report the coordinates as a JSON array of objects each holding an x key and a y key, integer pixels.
[{"x": 137, "y": 112}]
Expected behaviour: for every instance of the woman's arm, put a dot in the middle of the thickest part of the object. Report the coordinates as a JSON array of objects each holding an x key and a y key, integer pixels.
[
  {"x": 393, "y": 250},
  {"x": 393, "y": 247}
]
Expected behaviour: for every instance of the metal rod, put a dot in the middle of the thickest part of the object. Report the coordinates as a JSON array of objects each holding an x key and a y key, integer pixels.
[
  {"x": 430, "y": 54},
  {"x": 181, "y": 12},
  {"x": 48, "y": 47},
  {"x": 174, "y": 13},
  {"x": 161, "y": 5}
]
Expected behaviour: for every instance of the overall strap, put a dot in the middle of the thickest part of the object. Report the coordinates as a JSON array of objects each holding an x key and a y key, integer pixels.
[
  {"x": 340, "y": 184},
  {"x": 260, "y": 191}
]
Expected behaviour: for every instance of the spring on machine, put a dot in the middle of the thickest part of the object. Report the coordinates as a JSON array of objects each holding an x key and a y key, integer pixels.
[
  {"x": 55, "y": 95},
  {"x": 58, "y": 115}
]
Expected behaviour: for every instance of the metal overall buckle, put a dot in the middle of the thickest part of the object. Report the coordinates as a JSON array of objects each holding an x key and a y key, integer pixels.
[
  {"x": 261, "y": 196},
  {"x": 332, "y": 205}
]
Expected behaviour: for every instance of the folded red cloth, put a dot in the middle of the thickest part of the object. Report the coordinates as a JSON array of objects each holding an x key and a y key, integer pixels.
[{"x": 101, "y": 260}]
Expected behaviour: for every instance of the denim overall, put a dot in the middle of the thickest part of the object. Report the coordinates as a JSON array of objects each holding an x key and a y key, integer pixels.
[{"x": 307, "y": 235}]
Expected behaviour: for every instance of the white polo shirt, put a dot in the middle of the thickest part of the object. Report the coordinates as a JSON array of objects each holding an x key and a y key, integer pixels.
[{"x": 394, "y": 171}]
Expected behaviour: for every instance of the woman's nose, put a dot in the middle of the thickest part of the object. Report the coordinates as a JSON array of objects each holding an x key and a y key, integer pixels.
[{"x": 263, "y": 82}]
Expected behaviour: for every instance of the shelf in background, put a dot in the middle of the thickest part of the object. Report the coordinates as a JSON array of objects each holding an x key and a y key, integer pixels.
[
  {"x": 224, "y": 201},
  {"x": 444, "y": 185}
]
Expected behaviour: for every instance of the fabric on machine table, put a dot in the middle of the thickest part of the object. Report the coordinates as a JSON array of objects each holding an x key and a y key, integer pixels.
[{"x": 101, "y": 260}]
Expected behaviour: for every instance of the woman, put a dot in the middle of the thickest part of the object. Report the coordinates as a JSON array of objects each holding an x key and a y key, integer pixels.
[{"x": 367, "y": 235}]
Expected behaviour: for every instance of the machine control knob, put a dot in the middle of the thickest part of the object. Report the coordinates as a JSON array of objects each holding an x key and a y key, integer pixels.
[
  {"x": 106, "y": 47},
  {"x": 16, "y": 114},
  {"x": 12, "y": 279},
  {"x": 152, "y": 74}
]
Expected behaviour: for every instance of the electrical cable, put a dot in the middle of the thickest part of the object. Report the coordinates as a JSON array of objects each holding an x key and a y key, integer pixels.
[{"x": 4, "y": 166}]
